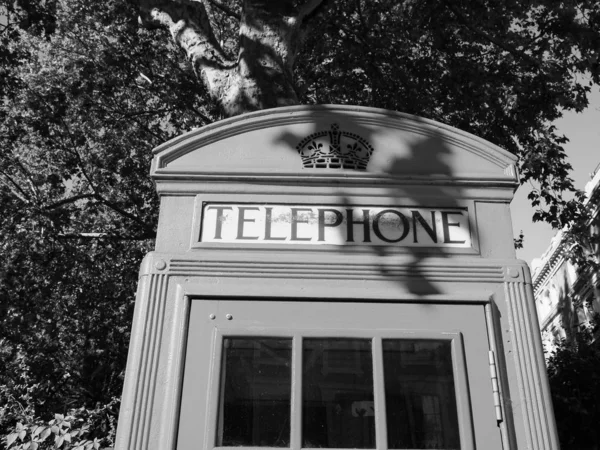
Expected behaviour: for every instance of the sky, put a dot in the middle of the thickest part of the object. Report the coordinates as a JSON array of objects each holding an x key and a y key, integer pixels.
[{"x": 583, "y": 151}]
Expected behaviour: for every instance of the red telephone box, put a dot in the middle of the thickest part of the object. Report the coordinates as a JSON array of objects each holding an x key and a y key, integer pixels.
[{"x": 334, "y": 277}]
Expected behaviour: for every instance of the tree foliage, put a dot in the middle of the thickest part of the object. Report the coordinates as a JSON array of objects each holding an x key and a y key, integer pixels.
[
  {"x": 86, "y": 93},
  {"x": 575, "y": 385},
  {"x": 83, "y": 103},
  {"x": 69, "y": 432}
]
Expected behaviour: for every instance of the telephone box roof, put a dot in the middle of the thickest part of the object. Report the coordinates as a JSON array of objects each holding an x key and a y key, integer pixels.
[{"x": 288, "y": 143}]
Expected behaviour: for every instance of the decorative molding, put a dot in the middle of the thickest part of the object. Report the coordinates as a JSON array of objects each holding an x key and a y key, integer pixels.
[
  {"x": 142, "y": 364},
  {"x": 184, "y": 182},
  {"x": 278, "y": 117},
  {"x": 517, "y": 272},
  {"x": 341, "y": 150},
  {"x": 551, "y": 264},
  {"x": 311, "y": 270},
  {"x": 318, "y": 186},
  {"x": 535, "y": 407},
  {"x": 177, "y": 340}
]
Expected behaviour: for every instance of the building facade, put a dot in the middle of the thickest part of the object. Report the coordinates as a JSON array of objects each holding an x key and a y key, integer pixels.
[{"x": 567, "y": 300}]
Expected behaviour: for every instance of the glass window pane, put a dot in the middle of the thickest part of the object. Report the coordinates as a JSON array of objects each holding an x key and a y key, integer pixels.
[
  {"x": 337, "y": 394},
  {"x": 255, "y": 392},
  {"x": 419, "y": 394}
]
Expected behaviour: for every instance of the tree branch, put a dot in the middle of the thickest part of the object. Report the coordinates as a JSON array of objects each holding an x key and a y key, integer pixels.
[
  {"x": 190, "y": 27},
  {"x": 124, "y": 213},
  {"x": 310, "y": 9},
  {"x": 68, "y": 200},
  {"x": 225, "y": 9},
  {"x": 15, "y": 187},
  {"x": 200, "y": 114},
  {"x": 105, "y": 202},
  {"x": 28, "y": 176},
  {"x": 91, "y": 236},
  {"x": 96, "y": 195},
  {"x": 261, "y": 76}
]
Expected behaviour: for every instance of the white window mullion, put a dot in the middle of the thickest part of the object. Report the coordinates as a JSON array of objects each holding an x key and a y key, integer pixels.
[
  {"x": 379, "y": 394},
  {"x": 296, "y": 401}
]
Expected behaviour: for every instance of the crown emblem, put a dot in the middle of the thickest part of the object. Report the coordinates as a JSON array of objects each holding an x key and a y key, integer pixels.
[{"x": 334, "y": 149}]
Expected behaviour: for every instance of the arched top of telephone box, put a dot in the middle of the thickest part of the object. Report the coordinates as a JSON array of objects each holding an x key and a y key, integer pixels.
[{"x": 333, "y": 143}]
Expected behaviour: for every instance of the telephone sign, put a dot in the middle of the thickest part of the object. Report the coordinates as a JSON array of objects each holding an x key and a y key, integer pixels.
[{"x": 335, "y": 225}]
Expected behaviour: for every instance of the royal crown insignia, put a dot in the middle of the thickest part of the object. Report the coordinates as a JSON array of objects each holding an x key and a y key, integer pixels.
[{"x": 334, "y": 149}]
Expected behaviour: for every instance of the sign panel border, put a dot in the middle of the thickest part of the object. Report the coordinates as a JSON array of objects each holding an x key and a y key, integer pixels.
[{"x": 333, "y": 201}]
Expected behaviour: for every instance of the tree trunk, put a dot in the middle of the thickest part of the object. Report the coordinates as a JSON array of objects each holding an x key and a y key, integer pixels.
[{"x": 262, "y": 74}]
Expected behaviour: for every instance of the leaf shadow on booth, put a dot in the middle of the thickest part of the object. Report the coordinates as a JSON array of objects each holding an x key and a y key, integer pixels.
[
  {"x": 414, "y": 177},
  {"x": 416, "y": 280}
]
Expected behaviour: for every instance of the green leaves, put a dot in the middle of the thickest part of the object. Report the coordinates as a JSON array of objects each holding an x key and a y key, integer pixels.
[
  {"x": 575, "y": 383},
  {"x": 71, "y": 432},
  {"x": 78, "y": 207},
  {"x": 11, "y": 438}
]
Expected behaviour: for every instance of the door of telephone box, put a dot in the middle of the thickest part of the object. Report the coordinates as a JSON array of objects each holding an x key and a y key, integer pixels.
[{"x": 310, "y": 374}]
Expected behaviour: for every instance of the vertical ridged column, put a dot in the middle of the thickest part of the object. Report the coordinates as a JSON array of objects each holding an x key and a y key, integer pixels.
[
  {"x": 175, "y": 340},
  {"x": 142, "y": 361},
  {"x": 534, "y": 391}
]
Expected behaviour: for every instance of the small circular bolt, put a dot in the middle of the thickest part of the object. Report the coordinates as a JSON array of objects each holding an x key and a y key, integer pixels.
[
  {"x": 160, "y": 264},
  {"x": 513, "y": 273},
  {"x": 228, "y": 316},
  {"x": 212, "y": 317}
]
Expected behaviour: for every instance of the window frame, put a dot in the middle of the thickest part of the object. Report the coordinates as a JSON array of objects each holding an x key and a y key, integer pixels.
[{"x": 377, "y": 336}]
